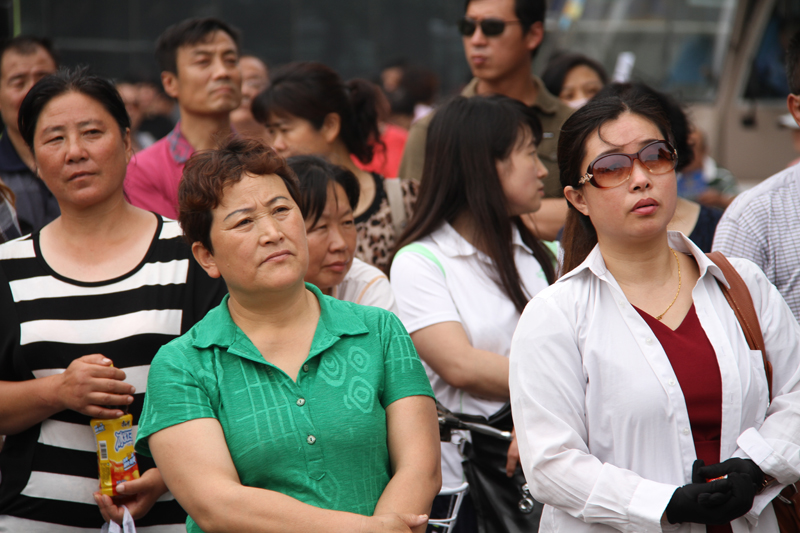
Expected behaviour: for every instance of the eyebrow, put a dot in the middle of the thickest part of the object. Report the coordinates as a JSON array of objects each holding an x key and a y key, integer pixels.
[
  {"x": 82, "y": 124},
  {"x": 250, "y": 209},
  {"x": 617, "y": 150}
]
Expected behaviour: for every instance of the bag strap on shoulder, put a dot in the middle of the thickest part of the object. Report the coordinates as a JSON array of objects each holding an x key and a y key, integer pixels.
[
  {"x": 741, "y": 301},
  {"x": 394, "y": 194}
]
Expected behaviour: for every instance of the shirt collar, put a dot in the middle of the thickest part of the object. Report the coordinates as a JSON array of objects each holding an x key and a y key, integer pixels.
[
  {"x": 179, "y": 147},
  {"x": 678, "y": 241},
  {"x": 10, "y": 161},
  {"x": 452, "y": 244},
  {"x": 545, "y": 101},
  {"x": 336, "y": 320}
]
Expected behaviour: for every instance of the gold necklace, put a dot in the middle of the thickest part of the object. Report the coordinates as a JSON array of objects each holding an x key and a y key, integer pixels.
[{"x": 679, "y": 285}]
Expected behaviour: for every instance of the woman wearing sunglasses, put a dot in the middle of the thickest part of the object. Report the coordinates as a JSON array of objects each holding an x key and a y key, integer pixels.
[{"x": 633, "y": 365}]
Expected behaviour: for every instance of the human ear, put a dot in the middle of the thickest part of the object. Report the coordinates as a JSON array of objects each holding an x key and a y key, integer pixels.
[
  {"x": 793, "y": 103},
  {"x": 170, "y": 82},
  {"x": 534, "y": 36},
  {"x": 577, "y": 199},
  {"x": 331, "y": 127},
  {"x": 126, "y": 139},
  {"x": 205, "y": 259}
]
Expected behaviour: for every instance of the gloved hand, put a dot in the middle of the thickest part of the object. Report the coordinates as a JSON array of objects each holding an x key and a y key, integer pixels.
[
  {"x": 701, "y": 473},
  {"x": 716, "y": 503}
]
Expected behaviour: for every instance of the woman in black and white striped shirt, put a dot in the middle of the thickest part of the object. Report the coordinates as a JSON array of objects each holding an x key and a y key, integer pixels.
[{"x": 105, "y": 283}]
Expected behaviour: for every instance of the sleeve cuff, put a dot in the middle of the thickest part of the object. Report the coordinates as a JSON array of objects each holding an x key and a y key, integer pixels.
[
  {"x": 763, "y": 454},
  {"x": 648, "y": 504}
]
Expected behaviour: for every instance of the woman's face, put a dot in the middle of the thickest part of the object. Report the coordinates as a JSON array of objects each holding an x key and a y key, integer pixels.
[
  {"x": 580, "y": 84},
  {"x": 259, "y": 238},
  {"x": 640, "y": 207},
  {"x": 79, "y": 150},
  {"x": 331, "y": 241},
  {"x": 521, "y": 176},
  {"x": 293, "y": 135}
]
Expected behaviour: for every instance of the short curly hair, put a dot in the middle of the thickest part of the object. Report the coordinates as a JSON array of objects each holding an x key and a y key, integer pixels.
[{"x": 209, "y": 172}]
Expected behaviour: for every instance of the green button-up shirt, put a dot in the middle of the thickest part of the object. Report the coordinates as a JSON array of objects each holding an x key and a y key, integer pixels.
[{"x": 320, "y": 439}]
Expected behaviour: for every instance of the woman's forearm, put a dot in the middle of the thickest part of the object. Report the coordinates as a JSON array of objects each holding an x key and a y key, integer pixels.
[
  {"x": 410, "y": 491},
  {"x": 26, "y": 403},
  {"x": 447, "y": 350}
]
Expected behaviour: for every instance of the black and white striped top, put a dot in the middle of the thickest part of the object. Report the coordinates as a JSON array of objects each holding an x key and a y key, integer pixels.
[{"x": 49, "y": 471}]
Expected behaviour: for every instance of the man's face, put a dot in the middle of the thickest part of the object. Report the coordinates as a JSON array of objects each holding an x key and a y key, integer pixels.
[
  {"x": 494, "y": 58},
  {"x": 18, "y": 73},
  {"x": 209, "y": 80}
]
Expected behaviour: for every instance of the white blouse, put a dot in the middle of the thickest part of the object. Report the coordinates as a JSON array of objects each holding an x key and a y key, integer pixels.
[
  {"x": 443, "y": 278},
  {"x": 603, "y": 428}
]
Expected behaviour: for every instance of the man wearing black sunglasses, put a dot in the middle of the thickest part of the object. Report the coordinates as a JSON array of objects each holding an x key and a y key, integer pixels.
[{"x": 500, "y": 38}]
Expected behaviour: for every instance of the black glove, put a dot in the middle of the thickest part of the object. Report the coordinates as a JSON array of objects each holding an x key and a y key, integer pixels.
[
  {"x": 716, "y": 503},
  {"x": 701, "y": 473}
]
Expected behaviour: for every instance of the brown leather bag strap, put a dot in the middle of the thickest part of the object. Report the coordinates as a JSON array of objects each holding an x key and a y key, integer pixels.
[{"x": 741, "y": 301}]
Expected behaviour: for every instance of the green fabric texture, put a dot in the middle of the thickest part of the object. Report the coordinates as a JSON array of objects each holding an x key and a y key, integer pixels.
[{"x": 321, "y": 439}]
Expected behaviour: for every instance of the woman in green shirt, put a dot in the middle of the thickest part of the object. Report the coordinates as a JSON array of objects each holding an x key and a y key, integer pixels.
[{"x": 284, "y": 409}]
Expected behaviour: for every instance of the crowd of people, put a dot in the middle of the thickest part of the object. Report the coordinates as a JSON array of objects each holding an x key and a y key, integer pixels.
[{"x": 283, "y": 276}]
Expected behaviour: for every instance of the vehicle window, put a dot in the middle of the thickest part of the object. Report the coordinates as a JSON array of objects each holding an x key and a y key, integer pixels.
[
  {"x": 767, "y": 77},
  {"x": 678, "y": 45}
]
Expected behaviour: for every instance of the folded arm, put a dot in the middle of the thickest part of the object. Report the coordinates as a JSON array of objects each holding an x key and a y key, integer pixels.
[
  {"x": 414, "y": 451},
  {"x": 196, "y": 465}
]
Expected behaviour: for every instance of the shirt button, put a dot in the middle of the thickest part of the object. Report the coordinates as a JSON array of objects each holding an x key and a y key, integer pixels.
[
  {"x": 621, "y": 303},
  {"x": 648, "y": 341},
  {"x": 672, "y": 383},
  {"x": 301, "y": 402},
  {"x": 311, "y": 439},
  {"x": 305, "y": 368},
  {"x": 685, "y": 431}
]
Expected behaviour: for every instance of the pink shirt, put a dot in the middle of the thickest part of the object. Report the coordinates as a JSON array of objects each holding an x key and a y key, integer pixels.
[{"x": 154, "y": 174}]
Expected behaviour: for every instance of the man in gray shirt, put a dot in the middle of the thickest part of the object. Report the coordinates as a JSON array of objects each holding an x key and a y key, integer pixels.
[{"x": 763, "y": 224}]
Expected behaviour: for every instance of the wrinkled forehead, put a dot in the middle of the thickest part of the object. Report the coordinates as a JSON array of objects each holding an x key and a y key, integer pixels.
[{"x": 25, "y": 57}]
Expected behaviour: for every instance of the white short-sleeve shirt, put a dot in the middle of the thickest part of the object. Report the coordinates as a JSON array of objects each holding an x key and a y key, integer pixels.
[
  {"x": 602, "y": 424},
  {"x": 443, "y": 278},
  {"x": 366, "y": 285}
]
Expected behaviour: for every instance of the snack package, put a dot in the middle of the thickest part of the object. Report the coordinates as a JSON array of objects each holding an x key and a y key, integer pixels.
[{"x": 115, "y": 458}]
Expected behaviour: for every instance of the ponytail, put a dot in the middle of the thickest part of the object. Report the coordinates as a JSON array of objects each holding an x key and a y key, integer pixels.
[{"x": 362, "y": 130}]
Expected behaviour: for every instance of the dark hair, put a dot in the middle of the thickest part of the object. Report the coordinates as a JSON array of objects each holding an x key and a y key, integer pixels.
[
  {"x": 579, "y": 234},
  {"x": 65, "y": 81},
  {"x": 187, "y": 33},
  {"x": 209, "y": 172},
  {"x": 561, "y": 64},
  {"x": 315, "y": 175},
  {"x": 27, "y": 45},
  {"x": 311, "y": 91},
  {"x": 678, "y": 121},
  {"x": 529, "y": 12},
  {"x": 466, "y": 138},
  {"x": 793, "y": 64}
]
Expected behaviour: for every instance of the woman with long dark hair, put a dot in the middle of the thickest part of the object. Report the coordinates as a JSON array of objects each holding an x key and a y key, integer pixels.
[
  {"x": 466, "y": 266},
  {"x": 638, "y": 402},
  {"x": 309, "y": 110}
]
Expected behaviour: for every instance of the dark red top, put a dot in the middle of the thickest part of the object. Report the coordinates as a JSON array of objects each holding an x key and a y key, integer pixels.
[{"x": 695, "y": 365}]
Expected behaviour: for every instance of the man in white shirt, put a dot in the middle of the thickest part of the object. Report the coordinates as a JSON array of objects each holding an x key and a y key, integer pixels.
[{"x": 763, "y": 224}]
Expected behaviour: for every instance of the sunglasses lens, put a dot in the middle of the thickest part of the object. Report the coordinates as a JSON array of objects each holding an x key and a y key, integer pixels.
[
  {"x": 466, "y": 27},
  {"x": 492, "y": 27},
  {"x": 658, "y": 158},
  {"x": 611, "y": 170}
]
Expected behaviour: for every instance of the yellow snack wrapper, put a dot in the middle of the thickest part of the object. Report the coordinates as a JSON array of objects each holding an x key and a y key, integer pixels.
[{"x": 115, "y": 457}]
